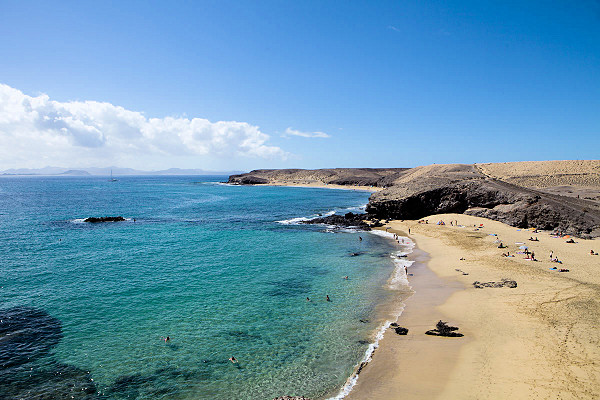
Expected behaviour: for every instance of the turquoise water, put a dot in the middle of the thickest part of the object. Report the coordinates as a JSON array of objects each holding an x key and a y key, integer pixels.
[{"x": 207, "y": 265}]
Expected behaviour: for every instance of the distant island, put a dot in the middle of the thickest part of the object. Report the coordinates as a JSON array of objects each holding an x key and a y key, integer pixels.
[
  {"x": 554, "y": 195},
  {"x": 58, "y": 171}
]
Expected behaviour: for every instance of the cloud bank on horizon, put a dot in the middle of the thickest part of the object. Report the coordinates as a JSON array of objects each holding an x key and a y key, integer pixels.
[{"x": 37, "y": 131}]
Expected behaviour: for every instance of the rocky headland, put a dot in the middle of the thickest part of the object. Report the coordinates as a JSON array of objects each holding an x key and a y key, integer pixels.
[{"x": 552, "y": 195}]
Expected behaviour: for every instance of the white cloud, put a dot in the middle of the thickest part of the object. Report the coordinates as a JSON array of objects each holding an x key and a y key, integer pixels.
[
  {"x": 37, "y": 131},
  {"x": 294, "y": 132}
]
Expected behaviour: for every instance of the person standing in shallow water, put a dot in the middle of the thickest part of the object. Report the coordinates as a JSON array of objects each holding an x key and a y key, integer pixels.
[{"x": 328, "y": 299}]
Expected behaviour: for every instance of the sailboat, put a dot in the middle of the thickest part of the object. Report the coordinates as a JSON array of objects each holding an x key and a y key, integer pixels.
[{"x": 111, "y": 177}]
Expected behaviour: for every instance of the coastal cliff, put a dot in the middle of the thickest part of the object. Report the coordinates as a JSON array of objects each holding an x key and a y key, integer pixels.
[{"x": 551, "y": 195}]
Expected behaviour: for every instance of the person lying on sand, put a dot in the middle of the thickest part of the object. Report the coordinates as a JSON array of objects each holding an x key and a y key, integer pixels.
[
  {"x": 592, "y": 253},
  {"x": 571, "y": 241},
  {"x": 502, "y": 246}
]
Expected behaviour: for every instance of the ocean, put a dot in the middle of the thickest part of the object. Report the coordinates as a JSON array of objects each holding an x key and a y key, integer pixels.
[{"x": 221, "y": 270}]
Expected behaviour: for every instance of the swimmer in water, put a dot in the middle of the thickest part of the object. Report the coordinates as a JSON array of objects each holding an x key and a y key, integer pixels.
[
  {"x": 328, "y": 298},
  {"x": 307, "y": 299},
  {"x": 166, "y": 339},
  {"x": 233, "y": 359},
  {"x": 346, "y": 277},
  {"x": 360, "y": 238}
]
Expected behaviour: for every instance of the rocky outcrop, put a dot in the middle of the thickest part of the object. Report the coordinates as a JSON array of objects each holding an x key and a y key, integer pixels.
[
  {"x": 464, "y": 190},
  {"x": 443, "y": 329},
  {"x": 246, "y": 180},
  {"x": 95, "y": 220},
  {"x": 347, "y": 220}
]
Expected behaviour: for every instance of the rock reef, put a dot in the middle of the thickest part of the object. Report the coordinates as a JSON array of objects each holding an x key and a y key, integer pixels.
[
  {"x": 523, "y": 198},
  {"x": 357, "y": 221},
  {"x": 95, "y": 220}
]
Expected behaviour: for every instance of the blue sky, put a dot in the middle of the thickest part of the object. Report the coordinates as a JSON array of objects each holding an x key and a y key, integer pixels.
[{"x": 391, "y": 84}]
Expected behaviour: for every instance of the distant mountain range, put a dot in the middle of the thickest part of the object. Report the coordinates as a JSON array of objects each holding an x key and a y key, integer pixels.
[{"x": 116, "y": 171}]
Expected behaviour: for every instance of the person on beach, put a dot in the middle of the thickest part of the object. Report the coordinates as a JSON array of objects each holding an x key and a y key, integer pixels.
[
  {"x": 233, "y": 360},
  {"x": 409, "y": 231}
]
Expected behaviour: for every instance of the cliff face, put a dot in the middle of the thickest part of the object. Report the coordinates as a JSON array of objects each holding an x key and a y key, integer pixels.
[{"x": 454, "y": 188}]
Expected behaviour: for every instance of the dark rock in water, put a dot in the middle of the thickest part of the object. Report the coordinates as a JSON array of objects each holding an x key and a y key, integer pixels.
[
  {"x": 26, "y": 334},
  {"x": 400, "y": 330},
  {"x": 503, "y": 283},
  {"x": 443, "y": 329},
  {"x": 393, "y": 324},
  {"x": 348, "y": 220},
  {"x": 153, "y": 385},
  {"x": 26, "y": 372},
  {"x": 59, "y": 381},
  {"x": 243, "y": 335},
  {"x": 104, "y": 219}
]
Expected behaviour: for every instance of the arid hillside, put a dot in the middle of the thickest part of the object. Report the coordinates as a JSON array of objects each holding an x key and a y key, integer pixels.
[{"x": 556, "y": 195}]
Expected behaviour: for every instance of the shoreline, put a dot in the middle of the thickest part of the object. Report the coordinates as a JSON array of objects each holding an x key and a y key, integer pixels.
[
  {"x": 537, "y": 340},
  {"x": 413, "y": 353},
  {"x": 316, "y": 185}
]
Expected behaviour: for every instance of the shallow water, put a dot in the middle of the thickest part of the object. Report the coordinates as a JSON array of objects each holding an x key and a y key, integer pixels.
[{"x": 208, "y": 265}]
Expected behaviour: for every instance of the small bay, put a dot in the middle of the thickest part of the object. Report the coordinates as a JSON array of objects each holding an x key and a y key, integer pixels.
[{"x": 212, "y": 266}]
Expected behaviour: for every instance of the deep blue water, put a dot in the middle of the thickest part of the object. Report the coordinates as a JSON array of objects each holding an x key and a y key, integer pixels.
[{"x": 206, "y": 264}]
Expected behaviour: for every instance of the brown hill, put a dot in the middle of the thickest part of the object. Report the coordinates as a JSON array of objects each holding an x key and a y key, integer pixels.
[{"x": 487, "y": 190}]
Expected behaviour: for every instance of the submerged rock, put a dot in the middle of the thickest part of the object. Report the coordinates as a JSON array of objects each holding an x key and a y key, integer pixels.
[
  {"x": 26, "y": 333},
  {"x": 104, "y": 219},
  {"x": 291, "y": 398}
]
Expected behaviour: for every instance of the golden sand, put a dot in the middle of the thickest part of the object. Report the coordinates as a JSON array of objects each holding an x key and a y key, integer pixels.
[{"x": 540, "y": 340}]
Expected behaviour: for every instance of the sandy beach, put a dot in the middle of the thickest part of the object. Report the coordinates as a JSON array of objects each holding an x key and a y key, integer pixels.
[{"x": 538, "y": 340}]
